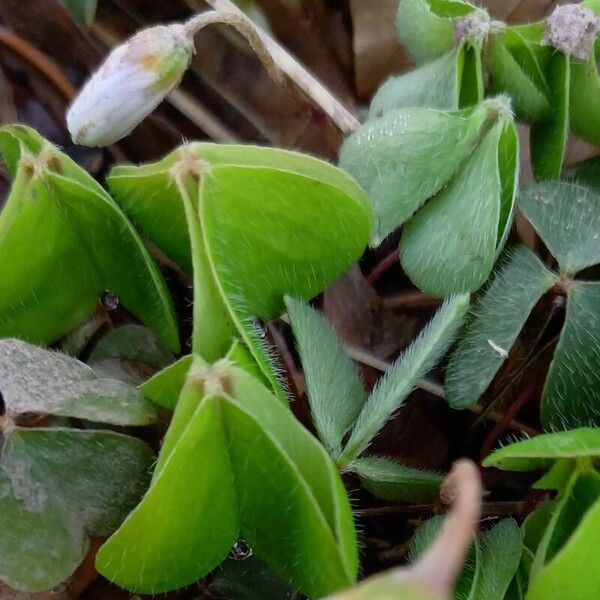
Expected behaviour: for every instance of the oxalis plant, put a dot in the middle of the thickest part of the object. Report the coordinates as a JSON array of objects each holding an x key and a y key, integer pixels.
[
  {"x": 260, "y": 232},
  {"x": 566, "y": 216}
]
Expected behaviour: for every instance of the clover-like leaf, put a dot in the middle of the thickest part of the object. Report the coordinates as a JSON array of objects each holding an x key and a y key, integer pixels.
[
  {"x": 57, "y": 486},
  {"x": 426, "y": 28},
  {"x": 406, "y": 156},
  {"x": 566, "y": 215},
  {"x": 245, "y": 218},
  {"x": 443, "y": 253},
  {"x": 89, "y": 247},
  {"x": 572, "y": 392},
  {"x": 390, "y": 480},
  {"x": 548, "y": 137},
  {"x": 335, "y": 391},
  {"x": 39, "y": 381},
  {"x": 541, "y": 451},
  {"x": 236, "y": 464},
  {"x": 494, "y": 323},
  {"x": 393, "y": 389}
]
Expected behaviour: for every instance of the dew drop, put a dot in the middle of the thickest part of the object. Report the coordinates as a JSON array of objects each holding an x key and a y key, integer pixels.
[{"x": 241, "y": 550}]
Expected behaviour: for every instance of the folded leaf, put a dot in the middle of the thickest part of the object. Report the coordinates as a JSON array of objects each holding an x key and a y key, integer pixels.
[
  {"x": 236, "y": 465},
  {"x": 335, "y": 392},
  {"x": 245, "y": 218},
  {"x": 406, "y": 156},
  {"x": 495, "y": 322},
  {"x": 567, "y": 217},
  {"x": 515, "y": 70},
  {"x": 471, "y": 90},
  {"x": 89, "y": 247},
  {"x": 389, "y": 480},
  {"x": 441, "y": 251},
  {"x": 572, "y": 391},
  {"x": 548, "y": 137}
]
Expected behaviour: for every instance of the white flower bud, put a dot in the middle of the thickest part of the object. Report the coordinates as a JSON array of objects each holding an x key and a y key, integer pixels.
[{"x": 130, "y": 84}]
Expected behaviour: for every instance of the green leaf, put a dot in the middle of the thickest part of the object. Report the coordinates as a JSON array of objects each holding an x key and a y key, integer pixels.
[
  {"x": 499, "y": 557},
  {"x": 35, "y": 380},
  {"x": 164, "y": 387},
  {"x": 432, "y": 85},
  {"x": 498, "y": 316},
  {"x": 89, "y": 247},
  {"x": 491, "y": 564},
  {"x": 406, "y": 156},
  {"x": 542, "y": 450},
  {"x": 57, "y": 486},
  {"x": 572, "y": 391},
  {"x": 471, "y": 90},
  {"x": 389, "y": 480},
  {"x": 426, "y": 28},
  {"x": 548, "y": 137},
  {"x": 97, "y": 475},
  {"x": 567, "y": 218},
  {"x": 246, "y": 218},
  {"x": 581, "y": 492},
  {"x": 83, "y": 10},
  {"x": 25, "y": 562},
  {"x": 335, "y": 391},
  {"x": 468, "y": 257},
  {"x": 393, "y": 389},
  {"x": 571, "y": 574},
  {"x": 584, "y": 98},
  {"x": 523, "y": 82},
  {"x": 237, "y": 465},
  {"x": 129, "y": 353}
]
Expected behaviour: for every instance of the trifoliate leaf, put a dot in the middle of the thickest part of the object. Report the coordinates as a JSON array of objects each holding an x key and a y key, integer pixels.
[
  {"x": 236, "y": 464},
  {"x": 406, "y": 156},
  {"x": 89, "y": 247},
  {"x": 494, "y": 324}
]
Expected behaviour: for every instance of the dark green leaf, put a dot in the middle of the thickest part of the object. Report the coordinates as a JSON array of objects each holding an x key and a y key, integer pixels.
[
  {"x": 572, "y": 392},
  {"x": 495, "y": 322}
]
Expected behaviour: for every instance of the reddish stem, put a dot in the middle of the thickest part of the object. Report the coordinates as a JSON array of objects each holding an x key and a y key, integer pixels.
[{"x": 382, "y": 266}]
